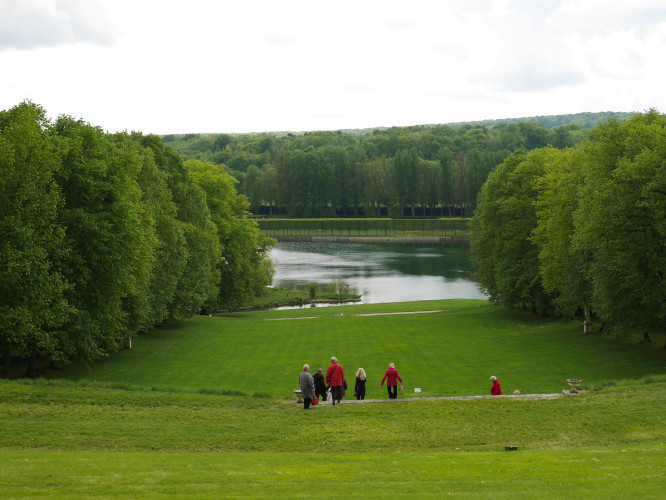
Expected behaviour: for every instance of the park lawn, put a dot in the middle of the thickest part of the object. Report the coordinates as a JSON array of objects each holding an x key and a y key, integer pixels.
[
  {"x": 203, "y": 408},
  {"x": 450, "y": 351},
  {"x": 605, "y": 473},
  {"x": 66, "y": 440}
]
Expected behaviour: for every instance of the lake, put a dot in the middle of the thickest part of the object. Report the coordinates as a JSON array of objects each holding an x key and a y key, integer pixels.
[{"x": 380, "y": 272}]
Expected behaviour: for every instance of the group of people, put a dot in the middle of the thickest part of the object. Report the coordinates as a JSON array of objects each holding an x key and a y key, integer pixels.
[{"x": 318, "y": 385}]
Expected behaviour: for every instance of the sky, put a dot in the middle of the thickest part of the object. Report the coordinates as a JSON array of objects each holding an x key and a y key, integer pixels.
[{"x": 217, "y": 66}]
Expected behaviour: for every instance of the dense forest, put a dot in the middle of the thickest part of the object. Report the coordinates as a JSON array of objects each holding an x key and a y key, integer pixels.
[
  {"x": 107, "y": 235},
  {"x": 582, "y": 230},
  {"x": 424, "y": 171}
]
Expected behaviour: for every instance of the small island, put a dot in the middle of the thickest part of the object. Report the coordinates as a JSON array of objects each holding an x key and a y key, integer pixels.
[{"x": 281, "y": 297}]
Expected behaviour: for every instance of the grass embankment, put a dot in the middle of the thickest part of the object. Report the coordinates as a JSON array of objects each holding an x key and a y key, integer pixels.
[
  {"x": 169, "y": 429},
  {"x": 68, "y": 441}
]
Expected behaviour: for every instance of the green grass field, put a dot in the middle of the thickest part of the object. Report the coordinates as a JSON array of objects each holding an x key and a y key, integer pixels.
[{"x": 204, "y": 408}]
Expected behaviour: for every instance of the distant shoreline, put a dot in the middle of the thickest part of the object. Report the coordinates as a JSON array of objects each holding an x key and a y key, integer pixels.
[{"x": 375, "y": 239}]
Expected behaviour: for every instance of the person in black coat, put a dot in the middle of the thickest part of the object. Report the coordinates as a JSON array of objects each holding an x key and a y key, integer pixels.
[
  {"x": 320, "y": 385},
  {"x": 359, "y": 388}
]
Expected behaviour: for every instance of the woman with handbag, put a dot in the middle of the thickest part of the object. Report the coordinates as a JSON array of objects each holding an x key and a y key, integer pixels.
[
  {"x": 334, "y": 378},
  {"x": 392, "y": 376}
]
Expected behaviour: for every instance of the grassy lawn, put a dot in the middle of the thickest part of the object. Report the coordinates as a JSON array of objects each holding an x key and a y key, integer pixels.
[
  {"x": 203, "y": 408},
  {"x": 448, "y": 353}
]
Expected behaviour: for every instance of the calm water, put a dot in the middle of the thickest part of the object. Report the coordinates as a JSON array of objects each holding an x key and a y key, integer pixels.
[{"x": 380, "y": 272}]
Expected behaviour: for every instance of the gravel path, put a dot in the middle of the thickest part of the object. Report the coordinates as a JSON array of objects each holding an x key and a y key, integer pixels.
[{"x": 454, "y": 398}]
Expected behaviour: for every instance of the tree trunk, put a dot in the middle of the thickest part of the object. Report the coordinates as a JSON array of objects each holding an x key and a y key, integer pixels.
[
  {"x": 646, "y": 338},
  {"x": 587, "y": 323}
]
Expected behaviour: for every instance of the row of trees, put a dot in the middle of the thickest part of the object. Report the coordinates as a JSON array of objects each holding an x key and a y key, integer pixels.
[
  {"x": 105, "y": 236},
  {"x": 411, "y": 171},
  {"x": 582, "y": 230}
]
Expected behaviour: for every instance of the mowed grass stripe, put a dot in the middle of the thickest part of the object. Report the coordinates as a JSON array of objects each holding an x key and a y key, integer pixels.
[
  {"x": 448, "y": 353},
  {"x": 615, "y": 472}
]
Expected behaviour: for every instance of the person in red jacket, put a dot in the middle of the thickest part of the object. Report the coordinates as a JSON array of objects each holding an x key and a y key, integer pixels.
[
  {"x": 335, "y": 377},
  {"x": 495, "y": 389},
  {"x": 392, "y": 376}
]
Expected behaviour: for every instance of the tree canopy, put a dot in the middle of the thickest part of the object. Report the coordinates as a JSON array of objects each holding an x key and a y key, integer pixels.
[
  {"x": 107, "y": 235},
  {"x": 585, "y": 226},
  {"x": 434, "y": 170}
]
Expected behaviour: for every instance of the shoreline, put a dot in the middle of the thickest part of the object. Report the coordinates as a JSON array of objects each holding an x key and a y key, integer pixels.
[{"x": 374, "y": 239}]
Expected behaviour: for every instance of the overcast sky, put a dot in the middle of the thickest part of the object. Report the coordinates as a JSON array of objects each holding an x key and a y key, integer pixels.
[{"x": 266, "y": 65}]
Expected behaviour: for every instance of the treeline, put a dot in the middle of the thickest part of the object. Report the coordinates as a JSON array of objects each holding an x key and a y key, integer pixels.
[
  {"x": 581, "y": 230},
  {"x": 107, "y": 235},
  {"x": 409, "y": 171},
  {"x": 582, "y": 120}
]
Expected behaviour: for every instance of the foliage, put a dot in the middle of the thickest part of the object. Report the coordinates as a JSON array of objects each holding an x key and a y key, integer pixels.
[
  {"x": 33, "y": 286},
  {"x": 339, "y": 286},
  {"x": 106, "y": 236},
  {"x": 501, "y": 246},
  {"x": 245, "y": 267},
  {"x": 621, "y": 221},
  {"x": 595, "y": 214},
  {"x": 396, "y": 172}
]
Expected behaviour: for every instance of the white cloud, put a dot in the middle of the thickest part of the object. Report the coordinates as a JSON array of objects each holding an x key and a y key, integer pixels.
[
  {"x": 26, "y": 24},
  {"x": 200, "y": 66}
]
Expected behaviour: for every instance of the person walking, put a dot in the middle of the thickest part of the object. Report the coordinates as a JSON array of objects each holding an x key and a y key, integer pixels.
[
  {"x": 320, "y": 385},
  {"x": 359, "y": 388},
  {"x": 334, "y": 378},
  {"x": 495, "y": 389},
  {"x": 306, "y": 382},
  {"x": 391, "y": 377}
]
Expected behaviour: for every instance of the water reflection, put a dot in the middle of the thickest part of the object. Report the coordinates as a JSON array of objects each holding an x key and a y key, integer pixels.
[{"x": 386, "y": 272}]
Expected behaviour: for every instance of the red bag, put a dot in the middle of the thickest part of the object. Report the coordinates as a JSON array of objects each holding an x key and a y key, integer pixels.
[{"x": 315, "y": 401}]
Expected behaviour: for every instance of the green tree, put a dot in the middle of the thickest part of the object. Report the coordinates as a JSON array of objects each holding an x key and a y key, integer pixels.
[
  {"x": 563, "y": 265},
  {"x": 33, "y": 307},
  {"x": 106, "y": 230},
  {"x": 379, "y": 185},
  {"x": 620, "y": 221},
  {"x": 170, "y": 252},
  {"x": 199, "y": 281},
  {"x": 445, "y": 186},
  {"x": 245, "y": 268},
  {"x": 501, "y": 228}
]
